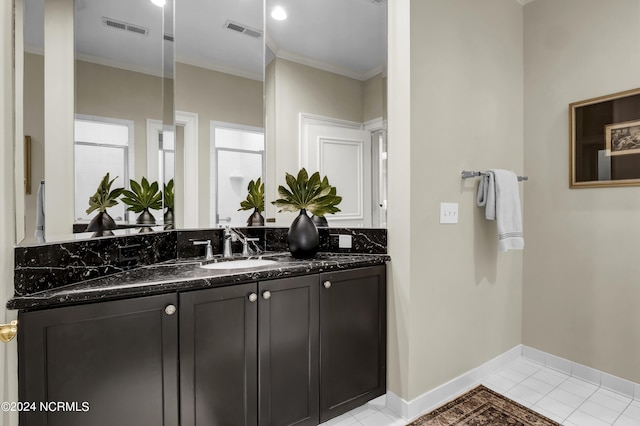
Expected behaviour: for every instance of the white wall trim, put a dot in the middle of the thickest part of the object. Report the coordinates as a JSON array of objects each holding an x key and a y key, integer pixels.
[
  {"x": 410, "y": 410},
  {"x": 373, "y": 124},
  {"x": 426, "y": 402},
  {"x": 190, "y": 122},
  {"x": 583, "y": 372}
]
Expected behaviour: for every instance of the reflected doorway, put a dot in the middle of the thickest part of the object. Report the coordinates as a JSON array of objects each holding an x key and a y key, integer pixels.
[{"x": 237, "y": 153}]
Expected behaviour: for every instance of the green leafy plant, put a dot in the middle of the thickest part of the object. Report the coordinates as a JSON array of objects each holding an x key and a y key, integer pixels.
[
  {"x": 311, "y": 193},
  {"x": 255, "y": 196},
  {"x": 142, "y": 196},
  {"x": 168, "y": 195},
  {"x": 104, "y": 197}
]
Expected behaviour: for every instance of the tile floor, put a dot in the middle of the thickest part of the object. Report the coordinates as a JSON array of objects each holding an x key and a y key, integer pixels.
[{"x": 565, "y": 399}]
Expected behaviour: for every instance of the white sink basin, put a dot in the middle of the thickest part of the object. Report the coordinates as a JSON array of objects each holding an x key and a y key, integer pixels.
[{"x": 239, "y": 264}]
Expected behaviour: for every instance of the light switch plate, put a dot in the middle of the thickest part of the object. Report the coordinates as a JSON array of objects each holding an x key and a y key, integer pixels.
[
  {"x": 449, "y": 213},
  {"x": 345, "y": 241}
]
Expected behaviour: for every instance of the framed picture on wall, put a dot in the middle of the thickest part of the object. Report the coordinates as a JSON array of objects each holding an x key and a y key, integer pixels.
[
  {"x": 605, "y": 141},
  {"x": 623, "y": 138}
]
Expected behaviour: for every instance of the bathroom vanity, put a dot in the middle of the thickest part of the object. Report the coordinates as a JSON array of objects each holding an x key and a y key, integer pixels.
[{"x": 295, "y": 342}]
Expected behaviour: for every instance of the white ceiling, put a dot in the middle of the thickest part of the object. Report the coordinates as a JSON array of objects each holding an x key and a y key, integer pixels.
[{"x": 344, "y": 36}]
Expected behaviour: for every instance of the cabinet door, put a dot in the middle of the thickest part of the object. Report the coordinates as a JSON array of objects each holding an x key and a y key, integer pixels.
[
  {"x": 120, "y": 357},
  {"x": 352, "y": 339},
  {"x": 288, "y": 340},
  {"x": 218, "y": 357}
]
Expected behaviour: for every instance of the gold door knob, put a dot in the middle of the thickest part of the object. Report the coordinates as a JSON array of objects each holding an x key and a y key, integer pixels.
[{"x": 8, "y": 331}]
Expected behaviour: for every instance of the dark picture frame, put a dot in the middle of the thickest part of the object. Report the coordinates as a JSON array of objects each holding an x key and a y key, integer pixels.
[{"x": 605, "y": 141}]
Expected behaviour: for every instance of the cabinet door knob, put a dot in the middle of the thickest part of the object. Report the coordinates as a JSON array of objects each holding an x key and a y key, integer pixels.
[
  {"x": 253, "y": 297},
  {"x": 170, "y": 309},
  {"x": 327, "y": 284},
  {"x": 266, "y": 295}
]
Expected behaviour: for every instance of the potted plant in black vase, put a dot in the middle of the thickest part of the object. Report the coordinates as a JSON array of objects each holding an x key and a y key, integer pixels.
[
  {"x": 105, "y": 197},
  {"x": 168, "y": 204},
  {"x": 141, "y": 198},
  {"x": 255, "y": 201},
  {"x": 305, "y": 194}
]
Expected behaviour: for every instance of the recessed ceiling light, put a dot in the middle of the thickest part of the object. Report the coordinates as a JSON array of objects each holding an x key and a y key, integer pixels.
[
  {"x": 278, "y": 13},
  {"x": 159, "y": 3}
]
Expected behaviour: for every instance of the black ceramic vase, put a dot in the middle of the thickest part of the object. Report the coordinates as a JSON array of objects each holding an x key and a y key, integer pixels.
[
  {"x": 256, "y": 219},
  {"x": 146, "y": 218},
  {"x": 303, "y": 237},
  {"x": 168, "y": 219},
  {"x": 101, "y": 222},
  {"x": 320, "y": 221}
]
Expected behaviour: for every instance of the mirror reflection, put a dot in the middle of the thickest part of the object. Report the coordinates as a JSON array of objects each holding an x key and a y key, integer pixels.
[
  {"x": 252, "y": 97},
  {"x": 219, "y": 108},
  {"x": 326, "y": 86}
]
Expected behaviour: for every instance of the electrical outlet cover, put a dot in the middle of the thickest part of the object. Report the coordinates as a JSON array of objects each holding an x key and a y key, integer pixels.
[{"x": 345, "y": 241}]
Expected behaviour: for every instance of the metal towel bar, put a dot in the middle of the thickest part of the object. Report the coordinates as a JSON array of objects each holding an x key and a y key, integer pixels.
[{"x": 466, "y": 175}]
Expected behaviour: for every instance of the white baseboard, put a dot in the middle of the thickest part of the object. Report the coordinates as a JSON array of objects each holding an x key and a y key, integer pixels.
[
  {"x": 426, "y": 402},
  {"x": 410, "y": 410},
  {"x": 588, "y": 374}
]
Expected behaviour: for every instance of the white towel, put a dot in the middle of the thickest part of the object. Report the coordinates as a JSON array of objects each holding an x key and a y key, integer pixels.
[
  {"x": 498, "y": 192},
  {"x": 39, "y": 234}
]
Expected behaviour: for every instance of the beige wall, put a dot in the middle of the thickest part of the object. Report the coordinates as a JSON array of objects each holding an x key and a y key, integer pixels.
[
  {"x": 464, "y": 303},
  {"x": 399, "y": 199},
  {"x": 581, "y": 293},
  {"x": 373, "y": 91},
  {"x": 219, "y": 97}
]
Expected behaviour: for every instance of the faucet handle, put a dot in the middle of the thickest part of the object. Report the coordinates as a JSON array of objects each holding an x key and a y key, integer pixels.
[
  {"x": 208, "y": 250},
  {"x": 245, "y": 245}
]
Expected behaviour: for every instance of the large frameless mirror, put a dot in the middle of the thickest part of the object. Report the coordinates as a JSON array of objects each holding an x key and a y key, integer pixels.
[{"x": 248, "y": 96}]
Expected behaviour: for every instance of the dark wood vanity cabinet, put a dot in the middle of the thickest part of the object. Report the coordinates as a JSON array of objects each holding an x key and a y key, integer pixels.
[
  {"x": 288, "y": 351},
  {"x": 249, "y": 354},
  {"x": 218, "y": 359},
  {"x": 291, "y": 351},
  {"x": 120, "y": 357},
  {"x": 352, "y": 339}
]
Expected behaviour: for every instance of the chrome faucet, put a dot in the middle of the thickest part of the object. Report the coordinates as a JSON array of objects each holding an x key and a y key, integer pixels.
[
  {"x": 232, "y": 235},
  {"x": 229, "y": 235}
]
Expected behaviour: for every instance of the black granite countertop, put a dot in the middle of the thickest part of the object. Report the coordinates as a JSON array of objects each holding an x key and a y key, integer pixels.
[{"x": 186, "y": 275}]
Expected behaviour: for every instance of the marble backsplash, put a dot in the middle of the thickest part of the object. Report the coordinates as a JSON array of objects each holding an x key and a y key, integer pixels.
[{"x": 48, "y": 266}]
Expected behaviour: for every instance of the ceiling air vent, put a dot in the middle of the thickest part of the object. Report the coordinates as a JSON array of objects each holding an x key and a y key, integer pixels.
[
  {"x": 120, "y": 25},
  {"x": 244, "y": 29}
]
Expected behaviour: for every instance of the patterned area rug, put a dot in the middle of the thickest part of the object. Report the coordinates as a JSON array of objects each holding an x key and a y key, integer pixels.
[{"x": 482, "y": 406}]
